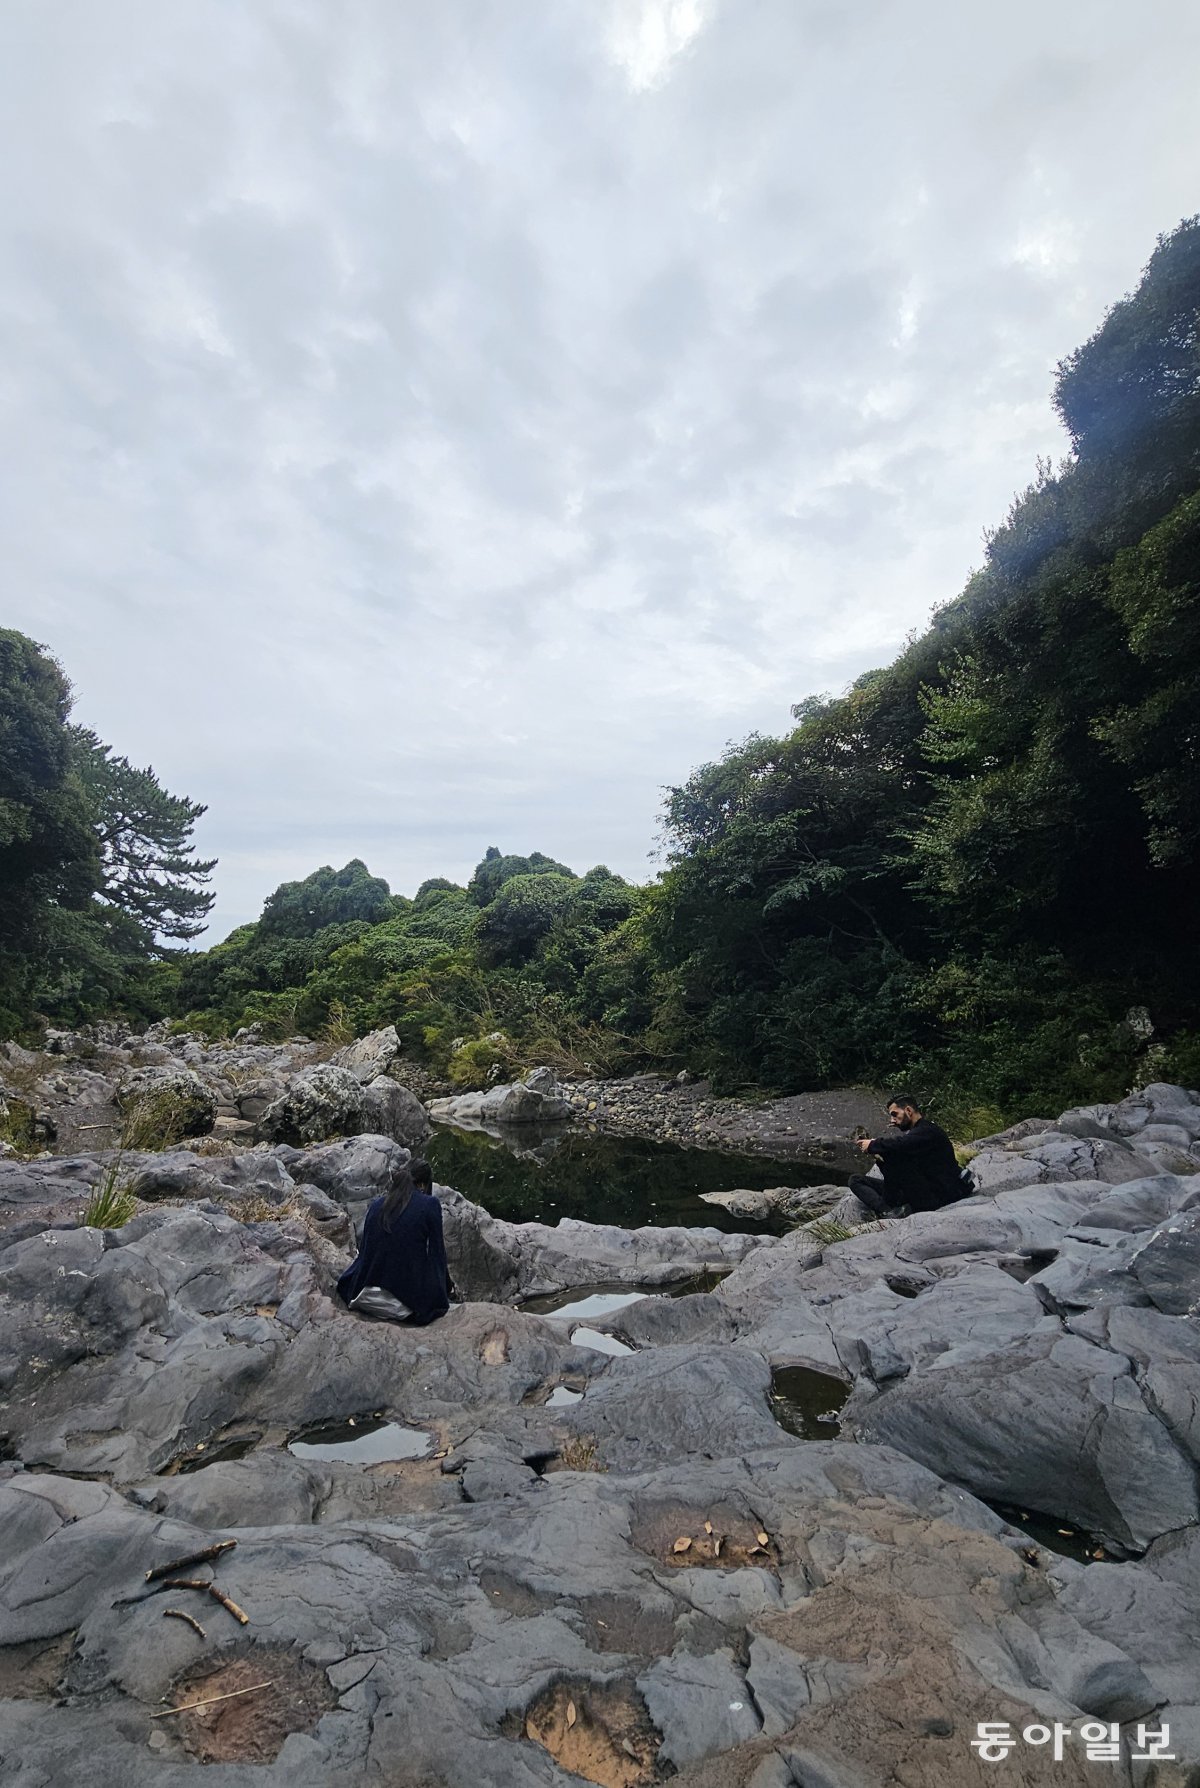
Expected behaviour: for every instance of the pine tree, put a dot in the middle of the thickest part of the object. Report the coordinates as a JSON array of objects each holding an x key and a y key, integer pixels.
[{"x": 150, "y": 870}]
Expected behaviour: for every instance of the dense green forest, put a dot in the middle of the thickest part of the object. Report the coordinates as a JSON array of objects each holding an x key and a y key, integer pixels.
[{"x": 977, "y": 868}]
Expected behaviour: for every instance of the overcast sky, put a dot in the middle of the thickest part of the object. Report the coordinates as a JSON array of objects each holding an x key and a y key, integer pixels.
[{"x": 429, "y": 426}]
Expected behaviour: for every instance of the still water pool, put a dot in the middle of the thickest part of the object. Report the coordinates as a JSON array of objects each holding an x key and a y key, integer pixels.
[
  {"x": 361, "y": 1440},
  {"x": 807, "y": 1403},
  {"x": 540, "y": 1176}
]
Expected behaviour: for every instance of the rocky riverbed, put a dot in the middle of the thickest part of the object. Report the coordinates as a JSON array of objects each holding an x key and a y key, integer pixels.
[
  {"x": 808, "y": 1127},
  {"x": 75, "y": 1089},
  {"x": 593, "y": 1552}
]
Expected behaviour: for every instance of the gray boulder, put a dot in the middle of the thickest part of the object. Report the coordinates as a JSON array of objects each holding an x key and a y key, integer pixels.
[
  {"x": 1056, "y": 1156},
  {"x": 326, "y": 1101},
  {"x": 538, "y": 1099},
  {"x": 389, "y": 1109},
  {"x": 554, "y": 1634},
  {"x": 178, "y": 1092},
  {"x": 352, "y": 1172},
  {"x": 1052, "y": 1423},
  {"x": 491, "y": 1259},
  {"x": 371, "y": 1055},
  {"x": 181, "y": 1176},
  {"x": 794, "y": 1202},
  {"x": 321, "y": 1101}
]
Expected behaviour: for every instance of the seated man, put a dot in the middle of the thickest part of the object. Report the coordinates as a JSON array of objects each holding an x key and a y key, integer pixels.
[
  {"x": 920, "y": 1171},
  {"x": 402, "y": 1252}
]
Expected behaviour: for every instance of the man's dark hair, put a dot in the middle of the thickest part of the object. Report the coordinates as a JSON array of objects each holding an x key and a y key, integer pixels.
[
  {"x": 903, "y": 1099},
  {"x": 421, "y": 1175}
]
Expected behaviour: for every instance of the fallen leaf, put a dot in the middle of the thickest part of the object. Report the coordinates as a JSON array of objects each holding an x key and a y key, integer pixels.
[
  {"x": 708, "y": 1527},
  {"x": 571, "y": 1714},
  {"x": 626, "y": 1746},
  {"x": 531, "y": 1730},
  {"x": 1099, "y": 1552},
  {"x": 681, "y": 1544},
  {"x": 1066, "y": 1530},
  {"x": 763, "y": 1538},
  {"x": 717, "y": 1546}
]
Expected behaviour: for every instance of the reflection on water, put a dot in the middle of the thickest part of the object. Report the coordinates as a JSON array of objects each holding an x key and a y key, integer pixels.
[
  {"x": 807, "y": 1403},
  {"x": 598, "y": 1342},
  {"x": 561, "y": 1396},
  {"x": 362, "y": 1440},
  {"x": 567, "y": 1305},
  {"x": 605, "y": 1295},
  {"x": 215, "y": 1452},
  {"x": 605, "y": 1179}
]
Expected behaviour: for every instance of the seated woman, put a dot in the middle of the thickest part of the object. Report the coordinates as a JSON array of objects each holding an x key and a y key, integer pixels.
[{"x": 402, "y": 1251}]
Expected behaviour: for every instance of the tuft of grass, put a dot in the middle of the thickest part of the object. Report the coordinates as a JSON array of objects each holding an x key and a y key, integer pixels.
[
  {"x": 964, "y": 1154},
  {"x": 254, "y": 1208},
  {"x": 968, "y": 1120},
  {"x": 156, "y": 1122},
  {"x": 18, "y": 1125},
  {"x": 580, "y": 1453},
  {"x": 828, "y": 1230},
  {"x": 111, "y": 1204},
  {"x": 338, "y": 1028}
]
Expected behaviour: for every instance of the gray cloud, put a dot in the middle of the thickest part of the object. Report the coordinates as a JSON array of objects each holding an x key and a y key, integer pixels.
[{"x": 430, "y": 427}]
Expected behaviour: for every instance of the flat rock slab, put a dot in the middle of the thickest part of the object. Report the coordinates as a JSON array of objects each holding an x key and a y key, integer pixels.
[{"x": 880, "y": 1598}]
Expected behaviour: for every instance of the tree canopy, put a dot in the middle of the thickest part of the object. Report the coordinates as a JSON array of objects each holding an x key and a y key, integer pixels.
[{"x": 98, "y": 874}]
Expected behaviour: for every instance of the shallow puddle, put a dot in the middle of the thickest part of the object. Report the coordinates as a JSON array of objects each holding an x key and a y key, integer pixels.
[
  {"x": 602, "y": 1298},
  {"x": 1055, "y": 1535},
  {"x": 561, "y": 1397},
  {"x": 365, "y": 1441},
  {"x": 599, "y": 1343},
  {"x": 582, "y": 1301},
  {"x": 215, "y": 1452},
  {"x": 807, "y": 1403}
]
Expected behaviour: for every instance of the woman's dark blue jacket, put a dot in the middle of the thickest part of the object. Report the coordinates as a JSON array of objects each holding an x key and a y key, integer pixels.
[{"x": 409, "y": 1260}]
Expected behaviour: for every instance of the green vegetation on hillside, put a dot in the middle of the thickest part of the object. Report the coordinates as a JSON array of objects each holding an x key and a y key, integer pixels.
[
  {"x": 975, "y": 869},
  {"x": 508, "y": 970},
  {"x": 96, "y": 864}
]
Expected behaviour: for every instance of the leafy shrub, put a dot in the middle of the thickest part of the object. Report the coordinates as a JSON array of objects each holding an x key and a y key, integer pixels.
[
  {"x": 1179, "y": 1061},
  {"x": 483, "y": 1061}
]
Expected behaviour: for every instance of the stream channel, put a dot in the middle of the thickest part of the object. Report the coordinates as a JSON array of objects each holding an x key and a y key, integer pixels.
[{"x": 535, "y": 1175}]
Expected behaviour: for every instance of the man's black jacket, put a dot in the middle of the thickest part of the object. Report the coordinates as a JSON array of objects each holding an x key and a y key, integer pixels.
[{"x": 919, "y": 1168}]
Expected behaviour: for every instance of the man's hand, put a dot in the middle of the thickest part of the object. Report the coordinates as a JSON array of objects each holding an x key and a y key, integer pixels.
[{"x": 864, "y": 1143}]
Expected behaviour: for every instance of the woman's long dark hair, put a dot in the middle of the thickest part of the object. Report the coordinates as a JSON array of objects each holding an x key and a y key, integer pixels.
[{"x": 396, "y": 1197}]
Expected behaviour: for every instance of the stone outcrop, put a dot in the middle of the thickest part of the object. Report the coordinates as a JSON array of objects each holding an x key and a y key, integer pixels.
[
  {"x": 508, "y": 1262},
  {"x": 792, "y": 1204},
  {"x": 82, "y": 1089},
  {"x": 326, "y": 1100},
  {"x": 178, "y": 1092},
  {"x": 538, "y": 1099},
  {"x": 368, "y": 1057}
]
